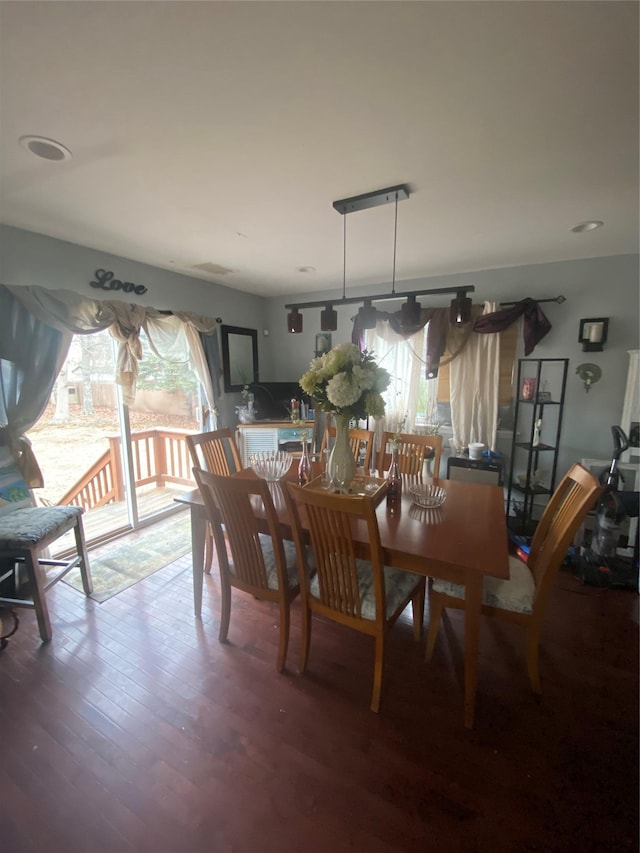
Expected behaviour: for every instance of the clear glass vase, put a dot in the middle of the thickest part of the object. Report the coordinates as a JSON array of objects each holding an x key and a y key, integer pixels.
[{"x": 342, "y": 465}]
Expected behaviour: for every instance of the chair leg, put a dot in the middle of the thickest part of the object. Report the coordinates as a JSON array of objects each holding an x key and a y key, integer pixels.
[
  {"x": 32, "y": 568},
  {"x": 284, "y": 634},
  {"x": 377, "y": 673},
  {"x": 225, "y": 609},
  {"x": 436, "y": 606},
  {"x": 306, "y": 637},
  {"x": 417, "y": 605},
  {"x": 85, "y": 569},
  {"x": 533, "y": 644},
  {"x": 208, "y": 550}
]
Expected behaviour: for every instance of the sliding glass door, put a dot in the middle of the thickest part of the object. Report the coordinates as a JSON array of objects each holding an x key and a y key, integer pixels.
[{"x": 123, "y": 464}]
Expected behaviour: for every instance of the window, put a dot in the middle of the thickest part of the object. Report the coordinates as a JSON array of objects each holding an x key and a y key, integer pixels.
[{"x": 411, "y": 399}]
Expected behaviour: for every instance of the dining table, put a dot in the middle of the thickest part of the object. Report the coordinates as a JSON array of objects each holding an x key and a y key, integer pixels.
[{"x": 462, "y": 541}]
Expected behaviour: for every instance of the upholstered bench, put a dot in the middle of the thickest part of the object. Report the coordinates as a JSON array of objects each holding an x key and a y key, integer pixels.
[{"x": 24, "y": 534}]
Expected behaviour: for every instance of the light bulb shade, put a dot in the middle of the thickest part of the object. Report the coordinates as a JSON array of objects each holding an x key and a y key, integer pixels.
[
  {"x": 410, "y": 312},
  {"x": 460, "y": 311},
  {"x": 367, "y": 316},
  {"x": 328, "y": 319},
  {"x": 294, "y": 322}
]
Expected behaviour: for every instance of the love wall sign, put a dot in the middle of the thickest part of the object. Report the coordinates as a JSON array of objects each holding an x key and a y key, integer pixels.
[{"x": 106, "y": 281}]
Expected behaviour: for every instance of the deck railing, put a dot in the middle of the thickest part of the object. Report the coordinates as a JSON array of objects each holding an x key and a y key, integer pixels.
[{"x": 159, "y": 456}]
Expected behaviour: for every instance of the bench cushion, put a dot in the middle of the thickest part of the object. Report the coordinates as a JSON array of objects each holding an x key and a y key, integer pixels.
[{"x": 25, "y": 528}]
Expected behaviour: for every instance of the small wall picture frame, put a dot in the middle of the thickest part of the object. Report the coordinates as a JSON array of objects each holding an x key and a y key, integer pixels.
[{"x": 323, "y": 343}]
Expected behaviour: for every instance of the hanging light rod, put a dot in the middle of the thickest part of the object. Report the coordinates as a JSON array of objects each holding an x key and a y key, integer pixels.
[
  {"x": 460, "y": 308},
  {"x": 373, "y": 199},
  {"x": 351, "y": 300}
]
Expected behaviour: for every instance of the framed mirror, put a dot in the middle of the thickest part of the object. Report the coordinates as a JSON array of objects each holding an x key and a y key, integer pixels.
[{"x": 239, "y": 357}]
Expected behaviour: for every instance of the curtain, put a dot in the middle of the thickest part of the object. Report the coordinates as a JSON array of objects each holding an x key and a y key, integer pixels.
[
  {"x": 178, "y": 342},
  {"x": 31, "y": 355},
  {"x": 438, "y": 320},
  {"x": 71, "y": 312},
  {"x": 402, "y": 358},
  {"x": 40, "y": 316},
  {"x": 534, "y": 327},
  {"x": 212, "y": 356},
  {"x": 474, "y": 379}
]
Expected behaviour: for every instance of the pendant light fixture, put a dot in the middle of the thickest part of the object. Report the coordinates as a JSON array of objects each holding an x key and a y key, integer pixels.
[
  {"x": 294, "y": 321},
  {"x": 410, "y": 310},
  {"x": 328, "y": 319},
  {"x": 460, "y": 309}
]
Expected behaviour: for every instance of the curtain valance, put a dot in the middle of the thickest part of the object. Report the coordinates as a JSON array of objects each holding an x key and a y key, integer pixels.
[{"x": 172, "y": 335}]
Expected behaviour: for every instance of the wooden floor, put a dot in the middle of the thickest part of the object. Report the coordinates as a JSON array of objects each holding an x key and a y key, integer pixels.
[{"x": 136, "y": 730}]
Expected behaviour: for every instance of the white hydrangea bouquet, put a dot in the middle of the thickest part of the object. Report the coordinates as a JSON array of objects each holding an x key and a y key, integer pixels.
[{"x": 347, "y": 382}]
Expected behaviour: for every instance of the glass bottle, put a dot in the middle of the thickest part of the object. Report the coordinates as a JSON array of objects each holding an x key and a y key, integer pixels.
[
  {"x": 304, "y": 467},
  {"x": 295, "y": 410},
  {"x": 394, "y": 478}
]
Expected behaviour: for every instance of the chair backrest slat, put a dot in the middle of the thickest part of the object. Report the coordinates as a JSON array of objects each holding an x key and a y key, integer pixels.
[
  {"x": 360, "y": 441},
  {"x": 232, "y": 501},
  {"x": 571, "y": 501},
  {"x": 413, "y": 449},
  {"x": 329, "y": 520},
  {"x": 216, "y": 452}
]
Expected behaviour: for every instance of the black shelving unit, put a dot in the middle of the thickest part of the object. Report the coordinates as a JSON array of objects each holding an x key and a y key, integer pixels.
[{"x": 541, "y": 390}]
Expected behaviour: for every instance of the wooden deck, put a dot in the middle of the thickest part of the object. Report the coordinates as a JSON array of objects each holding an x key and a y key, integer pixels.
[{"x": 108, "y": 522}]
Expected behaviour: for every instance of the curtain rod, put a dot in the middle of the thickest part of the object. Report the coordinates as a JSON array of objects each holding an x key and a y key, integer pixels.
[{"x": 558, "y": 299}]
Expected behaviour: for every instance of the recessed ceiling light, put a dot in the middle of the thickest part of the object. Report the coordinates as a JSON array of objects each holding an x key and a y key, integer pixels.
[
  {"x": 589, "y": 225},
  {"x": 48, "y": 149},
  {"x": 306, "y": 269}
]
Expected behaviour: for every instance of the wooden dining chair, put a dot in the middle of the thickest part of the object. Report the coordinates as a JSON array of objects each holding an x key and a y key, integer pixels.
[
  {"x": 218, "y": 453},
  {"x": 363, "y": 594},
  {"x": 263, "y": 565},
  {"x": 412, "y": 452},
  {"x": 524, "y": 596},
  {"x": 360, "y": 440},
  {"x": 27, "y": 571}
]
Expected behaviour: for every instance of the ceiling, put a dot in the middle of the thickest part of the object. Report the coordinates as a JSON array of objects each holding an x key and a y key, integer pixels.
[{"x": 211, "y": 138}]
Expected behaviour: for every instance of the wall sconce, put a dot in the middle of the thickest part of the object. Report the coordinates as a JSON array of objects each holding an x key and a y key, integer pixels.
[
  {"x": 593, "y": 333},
  {"x": 589, "y": 373}
]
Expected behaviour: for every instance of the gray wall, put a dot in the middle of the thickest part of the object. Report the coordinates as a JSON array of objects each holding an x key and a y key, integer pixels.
[
  {"x": 597, "y": 287},
  {"x": 32, "y": 259}
]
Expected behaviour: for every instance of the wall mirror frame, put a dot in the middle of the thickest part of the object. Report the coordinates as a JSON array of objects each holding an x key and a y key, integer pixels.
[{"x": 239, "y": 357}]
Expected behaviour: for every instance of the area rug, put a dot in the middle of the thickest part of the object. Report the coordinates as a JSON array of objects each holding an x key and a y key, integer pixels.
[{"x": 120, "y": 564}]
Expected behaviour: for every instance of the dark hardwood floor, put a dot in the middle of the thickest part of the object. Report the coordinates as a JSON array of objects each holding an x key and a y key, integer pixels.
[{"x": 135, "y": 730}]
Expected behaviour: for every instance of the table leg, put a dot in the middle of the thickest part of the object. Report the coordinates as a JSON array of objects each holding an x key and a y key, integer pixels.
[
  {"x": 473, "y": 605},
  {"x": 198, "y": 530}
]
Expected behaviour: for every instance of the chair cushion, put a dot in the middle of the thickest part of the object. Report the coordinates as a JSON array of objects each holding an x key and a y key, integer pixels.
[
  {"x": 398, "y": 584},
  {"x": 270, "y": 561},
  {"x": 515, "y": 594},
  {"x": 24, "y": 528}
]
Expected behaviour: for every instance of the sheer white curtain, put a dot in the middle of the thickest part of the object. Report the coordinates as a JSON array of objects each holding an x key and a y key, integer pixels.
[
  {"x": 174, "y": 333},
  {"x": 474, "y": 378},
  {"x": 404, "y": 359},
  {"x": 56, "y": 316}
]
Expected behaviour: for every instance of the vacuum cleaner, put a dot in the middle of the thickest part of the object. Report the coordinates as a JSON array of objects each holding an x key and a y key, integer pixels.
[{"x": 600, "y": 564}]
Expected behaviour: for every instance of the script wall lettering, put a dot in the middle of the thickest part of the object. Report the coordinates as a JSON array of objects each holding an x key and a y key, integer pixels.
[{"x": 106, "y": 281}]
